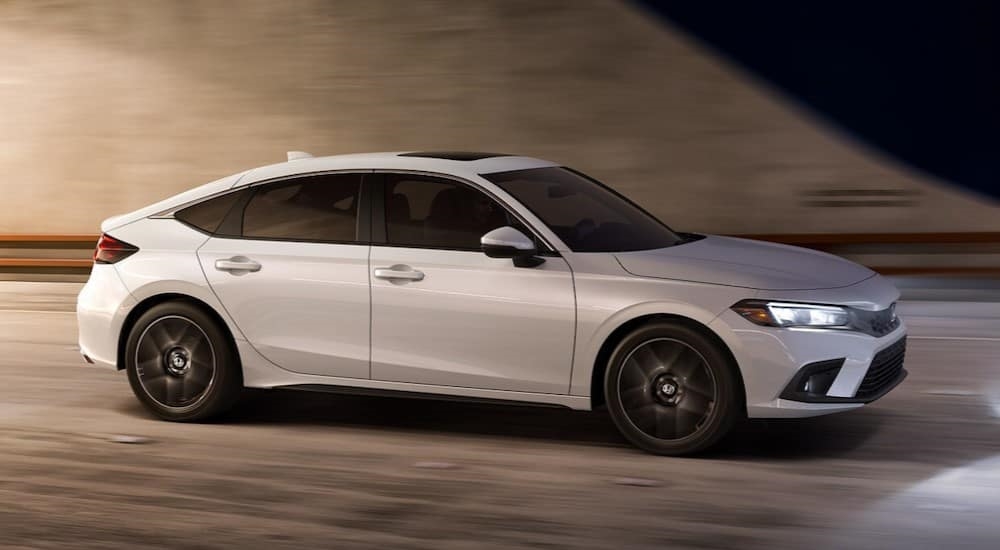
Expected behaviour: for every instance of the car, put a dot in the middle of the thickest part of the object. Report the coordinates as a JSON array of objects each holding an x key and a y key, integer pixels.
[{"x": 478, "y": 276}]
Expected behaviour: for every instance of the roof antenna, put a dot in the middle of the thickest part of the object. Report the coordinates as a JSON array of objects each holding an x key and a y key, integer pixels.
[{"x": 296, "y": 155}]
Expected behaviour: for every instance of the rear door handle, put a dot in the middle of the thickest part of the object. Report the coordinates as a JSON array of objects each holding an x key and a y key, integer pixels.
[
  {"x": 399, "y": 272},
  {"x": 236, "y": 264}
]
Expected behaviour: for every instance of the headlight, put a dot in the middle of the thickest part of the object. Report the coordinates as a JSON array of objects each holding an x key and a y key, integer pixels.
[{"x": 785, "y": 314}]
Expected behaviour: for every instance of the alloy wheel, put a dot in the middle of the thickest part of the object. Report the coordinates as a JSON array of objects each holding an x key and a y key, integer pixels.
[
  {"x": 175, "y": 362},
  {"x": 667, "y": 389}
]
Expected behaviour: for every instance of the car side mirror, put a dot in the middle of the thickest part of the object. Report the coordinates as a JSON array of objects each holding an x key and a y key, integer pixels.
[{"x": 507, "y": 242}]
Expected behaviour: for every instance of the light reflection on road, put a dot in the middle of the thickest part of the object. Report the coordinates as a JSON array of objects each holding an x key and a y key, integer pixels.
[{"x": 960, "y": 507}]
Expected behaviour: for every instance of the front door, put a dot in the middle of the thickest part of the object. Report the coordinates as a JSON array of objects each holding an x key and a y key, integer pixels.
[{"x": 445, "y": 314}]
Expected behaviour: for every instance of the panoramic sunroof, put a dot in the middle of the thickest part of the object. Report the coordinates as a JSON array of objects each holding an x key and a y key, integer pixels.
[{"x": 454, "y": 155}]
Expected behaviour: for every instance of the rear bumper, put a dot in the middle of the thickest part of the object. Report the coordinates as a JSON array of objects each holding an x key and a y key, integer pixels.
[{"x": 101, "y": 309}]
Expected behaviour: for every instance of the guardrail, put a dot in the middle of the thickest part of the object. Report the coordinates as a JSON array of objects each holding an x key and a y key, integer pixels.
[
  {"x": 939, "y": 253},
  {"x": 31, "y": 254}
]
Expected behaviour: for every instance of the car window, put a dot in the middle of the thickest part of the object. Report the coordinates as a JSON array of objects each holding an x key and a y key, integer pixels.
[
  {"x": 311, "y": 208},
  {"x": 438, "y": 213},
  {"x": 586, "y": 215},
  {"x": 208, "y": 215}
]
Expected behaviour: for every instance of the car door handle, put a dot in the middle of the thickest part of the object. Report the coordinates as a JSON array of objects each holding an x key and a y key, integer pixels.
[
  {"x": 237, "y": 263},
  {"x": 399, "y": 272}
]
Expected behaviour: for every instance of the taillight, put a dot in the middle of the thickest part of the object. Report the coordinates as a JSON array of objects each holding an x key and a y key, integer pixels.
[{"x": 111, "y": 250}]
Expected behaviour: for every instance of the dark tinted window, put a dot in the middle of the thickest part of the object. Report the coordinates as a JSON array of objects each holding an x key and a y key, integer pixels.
[
  {"x": 587, "y": 216},
  {"x": 436, "y": 213},
  {"x": 311, "y": 208},
  {"x": 207, "y": 215}
]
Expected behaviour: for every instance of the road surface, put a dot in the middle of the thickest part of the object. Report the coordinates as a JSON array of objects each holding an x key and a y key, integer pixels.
[{"x": 82, "y": 465}]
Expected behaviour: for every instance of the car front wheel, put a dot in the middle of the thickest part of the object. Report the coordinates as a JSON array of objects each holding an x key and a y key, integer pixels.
[
  {"x": 671, "y": 390},
  {"x": 181, "y": 364}
]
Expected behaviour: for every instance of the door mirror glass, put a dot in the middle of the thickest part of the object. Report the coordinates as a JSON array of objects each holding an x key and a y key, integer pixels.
[{"x": 507, "y": 242}]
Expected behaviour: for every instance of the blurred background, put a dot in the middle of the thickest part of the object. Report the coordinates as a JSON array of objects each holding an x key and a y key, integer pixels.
[
  {"x": 110, "y": 105},
  {"x": 869, "y": 131}
]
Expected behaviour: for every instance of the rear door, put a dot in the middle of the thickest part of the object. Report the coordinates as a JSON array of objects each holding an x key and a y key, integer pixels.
[
  {"x": 443, "y": 313},
  {"x": 293, "y": 273}
]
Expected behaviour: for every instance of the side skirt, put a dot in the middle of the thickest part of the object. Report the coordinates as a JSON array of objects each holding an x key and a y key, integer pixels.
[{"x": 379, "y": 392}]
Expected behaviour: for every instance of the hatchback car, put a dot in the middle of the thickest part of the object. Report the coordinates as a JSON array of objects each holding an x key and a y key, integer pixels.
[{"x": 482, "y": 276}]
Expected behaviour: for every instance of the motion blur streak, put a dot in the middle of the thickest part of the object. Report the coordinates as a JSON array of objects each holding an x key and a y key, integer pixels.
[{"x": 111, "y": 105}]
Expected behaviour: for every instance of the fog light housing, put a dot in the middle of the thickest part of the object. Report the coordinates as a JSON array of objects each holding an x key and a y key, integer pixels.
[
  {"x": 819, "y": 383},
  {"x": 813, "y": 381}
]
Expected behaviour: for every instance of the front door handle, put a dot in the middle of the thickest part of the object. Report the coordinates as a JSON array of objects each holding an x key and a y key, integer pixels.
[
  {"x": 237, "y": 264},
  {"x": 399, "y": 272}
]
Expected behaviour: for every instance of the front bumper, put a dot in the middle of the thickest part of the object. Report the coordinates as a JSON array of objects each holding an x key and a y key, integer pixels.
[
  {"x": 776, "y": 363},
  {"x": 813, "y": 382}
]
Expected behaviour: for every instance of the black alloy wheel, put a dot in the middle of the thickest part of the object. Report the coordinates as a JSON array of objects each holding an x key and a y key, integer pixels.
[{"x": 671, "y": 390}]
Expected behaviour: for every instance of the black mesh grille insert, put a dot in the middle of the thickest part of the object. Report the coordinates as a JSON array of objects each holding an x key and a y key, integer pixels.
[{"x": 884, "y": 370}]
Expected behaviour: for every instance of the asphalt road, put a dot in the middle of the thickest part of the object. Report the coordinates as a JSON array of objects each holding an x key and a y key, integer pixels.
[{"x": 82, "y": 465}]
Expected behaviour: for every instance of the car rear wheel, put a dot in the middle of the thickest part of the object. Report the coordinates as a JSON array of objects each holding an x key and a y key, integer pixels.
[
  {"x": 181, "y": 364},
  {"x": 671, "y": 390}
]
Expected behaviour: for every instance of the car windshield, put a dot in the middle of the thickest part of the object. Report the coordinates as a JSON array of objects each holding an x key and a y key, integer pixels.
[{"x": 585, "y": 214}]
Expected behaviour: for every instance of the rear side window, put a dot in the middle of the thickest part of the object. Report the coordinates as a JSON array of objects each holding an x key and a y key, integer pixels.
[
  {"x": 320, "y": 208},
  {"x": 208, "y": 215}
]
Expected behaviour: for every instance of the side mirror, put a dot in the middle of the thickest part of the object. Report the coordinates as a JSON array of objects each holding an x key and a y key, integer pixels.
[{"x": 507, "y": 242}]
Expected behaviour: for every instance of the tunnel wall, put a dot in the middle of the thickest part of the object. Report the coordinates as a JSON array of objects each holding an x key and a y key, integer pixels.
[{"x": 110, "y": 105}]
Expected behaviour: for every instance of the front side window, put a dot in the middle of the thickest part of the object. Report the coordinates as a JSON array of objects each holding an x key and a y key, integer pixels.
[
  {"x": 432, "y": 212},
  {"x": 587, "y": 216},
  {"x": 320, "y": 208}
]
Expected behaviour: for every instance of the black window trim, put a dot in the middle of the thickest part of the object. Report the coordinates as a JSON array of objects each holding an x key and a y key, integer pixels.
[
  {"x": 363, "y": 228},
  {"x": 380, "y": 238},
  {"x": 240, "y": 203},
  {"x": 371, "y": 208}
]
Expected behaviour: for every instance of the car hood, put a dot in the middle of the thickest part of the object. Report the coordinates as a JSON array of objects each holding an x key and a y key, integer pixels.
[{"x": 745, "y": 263}]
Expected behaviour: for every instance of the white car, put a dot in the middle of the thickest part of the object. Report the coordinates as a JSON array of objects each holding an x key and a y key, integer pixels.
[{"x": 478, "y": 276}]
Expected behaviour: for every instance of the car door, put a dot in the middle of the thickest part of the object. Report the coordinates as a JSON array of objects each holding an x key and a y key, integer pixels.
[
  {"x": 293, "y": 273},
  {"x": 445, "y": 314}
]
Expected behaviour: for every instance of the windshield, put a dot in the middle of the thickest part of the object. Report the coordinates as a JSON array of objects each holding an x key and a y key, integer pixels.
[{"x": 585, "y": 214}]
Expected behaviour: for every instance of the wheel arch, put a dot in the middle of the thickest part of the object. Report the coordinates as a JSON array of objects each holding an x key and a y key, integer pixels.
[
  {"x": 600, "y": 365},
  {"x": 152, "y": 301}
]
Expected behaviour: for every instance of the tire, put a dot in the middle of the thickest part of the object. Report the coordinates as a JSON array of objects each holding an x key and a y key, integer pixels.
[
  {"x": 671, "y": 390},
  {"x": 181, "y": 364}
]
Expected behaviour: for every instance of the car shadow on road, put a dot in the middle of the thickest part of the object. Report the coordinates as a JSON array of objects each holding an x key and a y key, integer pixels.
[
  {"x": 773, "y": 439},
  {"x": 399, "y": 413},
  {"x": 803, "y": 438}
]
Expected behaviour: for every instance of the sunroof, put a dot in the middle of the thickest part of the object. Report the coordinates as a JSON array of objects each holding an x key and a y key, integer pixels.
[{"x": 454, "y": 155}]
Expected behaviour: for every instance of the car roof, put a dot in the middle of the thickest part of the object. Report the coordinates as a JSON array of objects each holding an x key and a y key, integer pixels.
[{"x": 457, "y": 163}]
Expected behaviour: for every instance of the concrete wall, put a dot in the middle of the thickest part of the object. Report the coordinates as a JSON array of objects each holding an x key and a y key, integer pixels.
[{"x": 108, "y": 105}]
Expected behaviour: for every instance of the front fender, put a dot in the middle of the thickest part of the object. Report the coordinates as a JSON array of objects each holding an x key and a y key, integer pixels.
[{"x": 601, "y": 313}]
